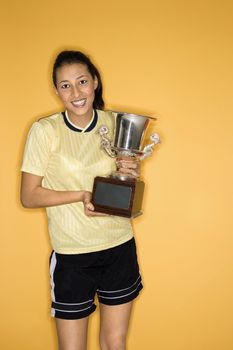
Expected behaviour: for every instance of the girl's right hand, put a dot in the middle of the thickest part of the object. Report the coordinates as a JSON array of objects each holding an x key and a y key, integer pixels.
[{"x": 88, "y": 206}]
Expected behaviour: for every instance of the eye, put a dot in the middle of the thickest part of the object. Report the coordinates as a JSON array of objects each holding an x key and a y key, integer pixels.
[
  {"x": 83, "y": 82},
  {"x": 65, "y": 86}
]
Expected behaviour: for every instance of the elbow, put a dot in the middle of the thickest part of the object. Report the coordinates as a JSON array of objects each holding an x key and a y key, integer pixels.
[
  {"x": 29, "y": 190},
  {"x": 25, "y": 201}
]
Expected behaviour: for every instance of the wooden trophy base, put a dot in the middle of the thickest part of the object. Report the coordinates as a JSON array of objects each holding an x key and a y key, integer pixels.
[{"x": 117, "y": 197}]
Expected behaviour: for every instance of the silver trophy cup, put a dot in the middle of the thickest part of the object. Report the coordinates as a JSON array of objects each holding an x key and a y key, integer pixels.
[{"x": 121, "y": 194}]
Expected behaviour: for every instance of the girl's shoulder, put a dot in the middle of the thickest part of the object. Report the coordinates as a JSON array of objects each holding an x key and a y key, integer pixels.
[
  {"x": 51, "y": 120},
  {"x": 107, "y": 117},
  {"x": 45, "y": 129},
  {"x": 50, "y": 124}
]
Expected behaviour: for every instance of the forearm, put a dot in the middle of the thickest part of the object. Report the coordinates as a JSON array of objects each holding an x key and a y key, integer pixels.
[{"x": 42, "y": 197}]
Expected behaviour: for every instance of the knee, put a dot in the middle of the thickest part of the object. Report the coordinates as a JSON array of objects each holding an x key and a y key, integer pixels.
[{"x": 113, "y": 342}]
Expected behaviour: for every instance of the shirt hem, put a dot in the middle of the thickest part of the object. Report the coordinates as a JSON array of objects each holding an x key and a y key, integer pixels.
[
  {"x": 32, "y": 171},
  {"x": 92, "y": 249}
]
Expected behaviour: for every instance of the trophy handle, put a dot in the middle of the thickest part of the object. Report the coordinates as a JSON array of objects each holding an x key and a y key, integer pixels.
[
  {"x": 148, "y": 150},
  {"x": 105, "y": 142}
]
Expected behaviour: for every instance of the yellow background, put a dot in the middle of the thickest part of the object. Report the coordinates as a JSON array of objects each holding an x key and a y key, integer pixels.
[{"x": 170, "y": 59}]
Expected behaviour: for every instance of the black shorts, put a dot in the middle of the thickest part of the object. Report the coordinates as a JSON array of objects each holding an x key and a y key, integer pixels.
[{"x": 76, "y": 278}]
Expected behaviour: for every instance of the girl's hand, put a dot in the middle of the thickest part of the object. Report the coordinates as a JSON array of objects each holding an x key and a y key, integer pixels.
[
  {"x": 129, "y": 165},
  {"x": 88, "y": 206}
]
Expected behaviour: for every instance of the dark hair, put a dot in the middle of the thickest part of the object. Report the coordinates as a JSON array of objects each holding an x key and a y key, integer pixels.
[{"x": 70, "y": 57}]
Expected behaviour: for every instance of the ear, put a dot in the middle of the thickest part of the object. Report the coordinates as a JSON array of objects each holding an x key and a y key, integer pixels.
[
  {"x": 96, "y": 83},
  {"x": 55, "y": 90}
]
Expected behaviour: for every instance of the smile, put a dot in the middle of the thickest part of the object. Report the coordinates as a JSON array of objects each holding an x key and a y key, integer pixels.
[{"x": 79, "y": 103}]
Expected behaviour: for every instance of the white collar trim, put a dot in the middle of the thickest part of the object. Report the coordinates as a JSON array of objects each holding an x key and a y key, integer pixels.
[{"x": 77, "y": 127}]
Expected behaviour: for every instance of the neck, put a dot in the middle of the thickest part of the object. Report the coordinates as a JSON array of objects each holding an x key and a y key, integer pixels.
[{"x": 80, "y": 121}]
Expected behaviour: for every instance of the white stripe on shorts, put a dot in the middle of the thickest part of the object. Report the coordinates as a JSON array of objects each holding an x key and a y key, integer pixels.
[
  {"x": 53, "y": 264},
  {"x": 119, "y": 290},
  {"x": 74, "y": 310},
  {"x": 121, "y": 296}
]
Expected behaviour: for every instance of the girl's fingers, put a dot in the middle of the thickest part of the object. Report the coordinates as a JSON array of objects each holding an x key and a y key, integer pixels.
[
  {"x": 90, "y": 206},
  {"x": 130, "y": 171},
  {"x": 130, "y": 164},
  {"x": 94, "y": 213}
]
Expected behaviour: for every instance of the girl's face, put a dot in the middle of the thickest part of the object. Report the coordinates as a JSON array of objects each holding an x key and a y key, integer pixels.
[{"x": 76, "y": 89}]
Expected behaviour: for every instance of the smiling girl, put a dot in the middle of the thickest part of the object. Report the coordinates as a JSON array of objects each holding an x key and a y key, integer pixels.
[{"x": 92, "y": 253}]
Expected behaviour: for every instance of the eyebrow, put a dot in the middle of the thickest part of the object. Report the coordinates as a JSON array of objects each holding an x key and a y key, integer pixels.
[{"x": 65, "y": 81}]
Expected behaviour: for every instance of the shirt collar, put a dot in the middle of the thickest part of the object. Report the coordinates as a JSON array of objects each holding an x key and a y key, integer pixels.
[{"x": 74, "y": 127}]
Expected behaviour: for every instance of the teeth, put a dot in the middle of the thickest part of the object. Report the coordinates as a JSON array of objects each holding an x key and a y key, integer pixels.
[{"x": 79, "y": 103}]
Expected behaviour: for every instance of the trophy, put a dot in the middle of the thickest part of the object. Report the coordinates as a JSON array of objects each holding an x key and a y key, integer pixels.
[{"x": 121, "y": 194}]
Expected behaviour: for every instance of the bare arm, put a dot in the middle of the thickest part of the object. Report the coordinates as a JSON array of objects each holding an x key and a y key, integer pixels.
[{"x": 33, "y": 195}]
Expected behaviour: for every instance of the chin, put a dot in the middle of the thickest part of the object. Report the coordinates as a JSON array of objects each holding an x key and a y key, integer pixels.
[{"x": 79, "y": 112}]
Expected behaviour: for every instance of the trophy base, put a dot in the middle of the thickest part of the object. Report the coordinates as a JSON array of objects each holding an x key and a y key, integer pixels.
[
  {"x": 116, "y": 197},
  {"x": 121, "y": 176}
]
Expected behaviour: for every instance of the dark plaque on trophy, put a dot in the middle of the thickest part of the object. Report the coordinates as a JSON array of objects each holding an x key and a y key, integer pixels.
[{"x": 121, "y": 194}]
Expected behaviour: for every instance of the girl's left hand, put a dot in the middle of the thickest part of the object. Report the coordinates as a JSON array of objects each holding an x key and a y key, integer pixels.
[{"x": 129, "y": 166}]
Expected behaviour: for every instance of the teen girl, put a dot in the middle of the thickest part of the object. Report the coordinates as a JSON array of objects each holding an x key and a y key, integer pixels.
[{"x": 92, "y": 253}]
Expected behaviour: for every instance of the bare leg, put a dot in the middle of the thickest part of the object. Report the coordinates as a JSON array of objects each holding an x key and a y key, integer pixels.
[
  {"x": 114, "y": 322},
  {"x": 72, "y": 334}
]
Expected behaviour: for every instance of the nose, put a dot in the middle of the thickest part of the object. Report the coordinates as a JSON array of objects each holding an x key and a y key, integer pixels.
[{"x": 76, "y": 91}]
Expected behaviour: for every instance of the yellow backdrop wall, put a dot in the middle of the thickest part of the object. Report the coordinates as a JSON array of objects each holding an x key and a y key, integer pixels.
[{"x": 170, "y": 59}]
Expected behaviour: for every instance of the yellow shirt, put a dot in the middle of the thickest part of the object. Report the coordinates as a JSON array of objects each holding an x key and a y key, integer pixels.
[{"x": 70, "y": 160}]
